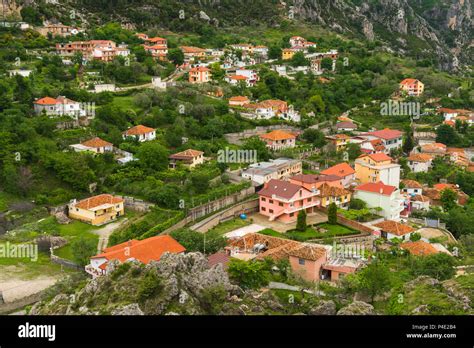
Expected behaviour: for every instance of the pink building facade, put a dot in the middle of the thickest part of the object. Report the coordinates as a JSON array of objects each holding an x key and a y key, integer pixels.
[{"x": 282, "y": 200}]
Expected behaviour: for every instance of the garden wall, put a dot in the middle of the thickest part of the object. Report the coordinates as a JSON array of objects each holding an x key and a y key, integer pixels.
[{"x": 350, "y": 223}]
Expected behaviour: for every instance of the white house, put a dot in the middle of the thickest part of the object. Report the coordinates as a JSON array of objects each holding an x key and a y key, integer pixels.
[
  {"x": 386, "y": 197},
  {"x": 392, "y": 229},
  {"x": 412, "y": 187},
  {"x": 96, "y": 145},
  {"x": 140, "y": 133},
  {"x": 419, "y": 162},
  {"x": 279, "y": 169},
  {"x": 58, "y": 106},
  {"x": 391, "y": 138}
]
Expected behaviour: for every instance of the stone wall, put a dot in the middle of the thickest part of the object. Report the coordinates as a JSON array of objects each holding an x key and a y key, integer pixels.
[
  {"x": 20, "y": 303},
  {"x": 136, "y": 204},
  {"x": 227, "y": 214}
]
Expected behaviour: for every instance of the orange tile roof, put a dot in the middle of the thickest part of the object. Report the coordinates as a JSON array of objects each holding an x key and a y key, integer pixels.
[
  {"x": 327, "y": 190},
  {"x": 145, "y": 250},
  {"x": 238, "y": 77},
  {"x": 440, "y": 187},
  {"x": 419, "y": 248},
  {"x": 394, "y": 227},
  {"x": 187, "y": 154},
  {"x": 96, "y": 142},
  {"x": 420, "y": 157},
  {"x": 378, "y": 157},
  {"x": 386, "y": 134},
  {"x": 278, "y": 135},
  {"x": 408, "y": 81},
  {"x": 341, "y": 169},
  {"x": 46, "y": 101},
  {"x": 411, "y": 183},
  {"x": 95, "y": 201},
  {"x": 239, "y": 98},
  {"x": 308, "y": 251},
  {"x": 191, "y": 49},
  {"x": 377, "y": 187},
  {"x": 199, "y": 69},
  {"x": 156, "y": 39},
  {"x": 138, "y": 130}
]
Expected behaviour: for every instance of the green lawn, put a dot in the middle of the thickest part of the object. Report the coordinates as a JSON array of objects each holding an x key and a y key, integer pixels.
[
  {"x": 311, "y": 233},
  {"x": 230, "y": 225},
  {"x": 74, "y": 230},
  {"x": 125, "y": 102},
  {"x": 5, "y": 200}
]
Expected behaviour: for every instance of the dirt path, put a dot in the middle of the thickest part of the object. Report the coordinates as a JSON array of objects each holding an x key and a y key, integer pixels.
[{"x": 105, "y": 232}]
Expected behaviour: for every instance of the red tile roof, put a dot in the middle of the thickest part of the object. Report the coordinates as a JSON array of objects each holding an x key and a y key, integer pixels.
[
  {"x": 280, "y": 188},
  {"x": 420, "y": 157},
  {"x": 144, "y": 250},
  {"x": 186, "y": 154},
  {"x": 239, "y": 98},
  {"x": 346, "y": 124},
  {"x": 217, "y": 258},
  {"x": 138, "y": 130},
  {"x": 378, "y": 157},
  {"x": 278, "y": 135},
  {"x": 96, "y": 143},
  {"x": 419, "y": 248},
  {"x": 96, "y": 201},
  {"x": 394, "y": 227},
  {"x": 377, "y": 187},
  {"x": 386, "y": 134},
  {"x": 342, "y": 170}
]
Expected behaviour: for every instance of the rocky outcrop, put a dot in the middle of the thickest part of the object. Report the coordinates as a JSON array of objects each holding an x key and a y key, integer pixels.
[
  {"x": 357, "y": 308},
  {"x": 324, "y": 308},
  {"x": 131, "y": 309}
]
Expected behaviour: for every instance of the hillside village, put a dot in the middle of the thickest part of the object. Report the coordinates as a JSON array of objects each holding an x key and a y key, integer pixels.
[{"x": 303, "y": 162}]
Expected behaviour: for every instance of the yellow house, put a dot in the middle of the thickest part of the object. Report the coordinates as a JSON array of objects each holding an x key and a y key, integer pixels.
[
  {"x": 339, "y": 141},
  {"x": 412, "y": 87},
  {"x": 377, "y": 167},
  {"x": 287, "y": 53},
  {"x": 97, "y": 210},
  {"x": 334, "y": 194}
]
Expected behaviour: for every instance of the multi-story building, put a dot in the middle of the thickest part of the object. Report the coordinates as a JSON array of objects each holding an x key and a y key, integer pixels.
[
  {"x": 342, "y": 170},
  {"x": 419, "y": 162},
  {"x": 199, "y": 74},
  {"x": 282, "y": 200},
  {"x": 189, "y": 158},
  {"x": 377, "y": 167},
  {"x": 280, "y": 168},
  {"x": 279, "y": 140},
  {"x": 391, "y": 138},
  {"x": 97, "y": 210},
  {"x": 385, "y": 197},
  {"x": 412, "y": 87},
  {"x": 60, "y": 106}
]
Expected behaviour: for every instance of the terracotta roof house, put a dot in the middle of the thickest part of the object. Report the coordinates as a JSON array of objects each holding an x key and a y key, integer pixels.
[
  {"x": 339, "y": 141},
  {"x": 141, "y": 133},
  {"x": 412, "y": 187},
  {"x": 434, "y": 149},
  {"x": 343, "y": 170},
  {"x": 419, "y": 248},
  {"x": 346, "y": 126},
  {"x": 373, "y": 146},
  {"x": 60, "y": 106},
  {"x": 199, "y": 74},
  {"x": 238, "y": 100},
  {"x": 313, "y": 181},
  {"x": 306, "y": 259},
  {"x": 333, "y": 194},
  {"x": 420, "y": 162},
  {"x": 145, "y": 251},
  {"x": 97, "y": 210},
  {"x": 420, "y": 202},
  {"x": 391, "y": 138},
  {"x": 279, "y": 140},
  {"x": 412, "y": 87},
  {"x": 379, "y": 195},
  {"x": 283, "y": 200},
  {"x": 96, "y": 145},
  {"x": 375, "y": 167},
  {"x": 392, "y": 229},
  {"x": 189, "y": 158}
]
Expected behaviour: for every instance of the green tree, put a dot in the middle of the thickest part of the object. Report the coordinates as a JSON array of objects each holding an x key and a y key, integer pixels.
[
  {"x": 248, "y": 274},
  {"x": 374, "y": 279},
  {"x": 357, "y": 204},
  {"x": 176, "y": 56},
  {"x": 314, "y": 136},
  {"x": 408, "y": 143},
  {"x": 447, "y": 135},
  {"x": 301, "y": 221},
  {"x": 439, "y": 266},
  {"x": 82, "y": 249},
  {"x": 332, "y": 214},
  {"x": 255, "y": 143},
  {"x": 153, "y": 156},
  {"x": 449, "y": 199},
  {"x": 353, "y": 150},
  {"x": 299, "y": 60},
  {"x": 208, "y": 243},
  {"x": 274, "y": 52}
]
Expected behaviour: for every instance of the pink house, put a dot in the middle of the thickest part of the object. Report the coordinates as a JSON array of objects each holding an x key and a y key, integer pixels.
[
  {"x": 282, "y": 200},
  {"x": 307, "y": 261}
]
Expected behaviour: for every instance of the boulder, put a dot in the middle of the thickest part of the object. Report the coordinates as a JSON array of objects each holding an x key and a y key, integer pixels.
[
  {"x": 131, "y": 309},
  {"x": 324, "y": 308},
  {"x": 357, "y": 308}
]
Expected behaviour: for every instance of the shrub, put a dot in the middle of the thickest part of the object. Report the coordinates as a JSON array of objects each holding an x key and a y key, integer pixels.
[
  {"x": 248, "y": 274},
  {"x": 82, "y": 249},
  {"x": 149, "y": 286},
  {"x": 332, "y": 214},
  {"x": 415, "y": 237},
  {"x": 301, "y": 221}
]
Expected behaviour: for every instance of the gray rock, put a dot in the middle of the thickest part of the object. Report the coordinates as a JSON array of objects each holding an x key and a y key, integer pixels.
[
  {"x": 131, "y": 309},
  {"x": 357, "y": 308},
  {"x": 420, "y": 310},
  {"x": 324, "y": 308}
]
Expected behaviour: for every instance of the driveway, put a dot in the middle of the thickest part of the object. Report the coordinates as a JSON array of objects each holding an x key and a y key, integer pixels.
[
  {"x": 282, "y": 227},
  {"x": 105, "y": 232}
]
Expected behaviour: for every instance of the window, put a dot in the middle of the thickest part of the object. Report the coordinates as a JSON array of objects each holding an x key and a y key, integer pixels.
[
  {"x": 292, "y": 214},
  {"x": 264, "y": 209},
  {"x": 301, "y": 261},
  {"x": 310, "y": 199},
  {"x": 263, "y": 199},
  {"x": 270, "y": 201},
  {"x": 280, "y": 204},
  {"x": 271, "y": 211}
]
